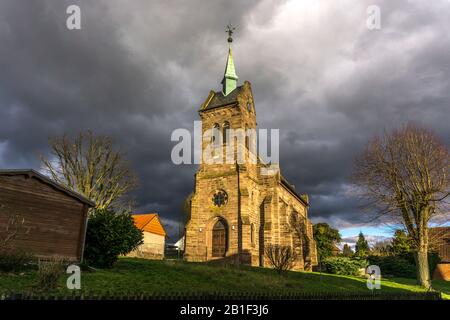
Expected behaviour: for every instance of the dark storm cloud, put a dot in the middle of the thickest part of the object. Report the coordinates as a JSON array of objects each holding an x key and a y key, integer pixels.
[{"x": 139, "y": 69}]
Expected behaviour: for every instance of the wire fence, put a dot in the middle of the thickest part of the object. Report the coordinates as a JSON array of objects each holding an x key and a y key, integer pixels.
[{"x": 81, "y": 295}]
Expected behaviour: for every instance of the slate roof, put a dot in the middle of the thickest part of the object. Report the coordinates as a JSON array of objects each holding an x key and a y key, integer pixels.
[
  {"x": 220, "y": 100},
  {"x": 289, "y": 186}
]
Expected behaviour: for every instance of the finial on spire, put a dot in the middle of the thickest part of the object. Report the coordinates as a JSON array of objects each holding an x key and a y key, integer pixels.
[
  {"x": 230, "y": 78},
  {"x": 230, "y": 30}
]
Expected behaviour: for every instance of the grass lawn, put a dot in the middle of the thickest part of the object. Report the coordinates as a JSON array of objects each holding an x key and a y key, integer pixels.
[{"x": 140, "y": 275}]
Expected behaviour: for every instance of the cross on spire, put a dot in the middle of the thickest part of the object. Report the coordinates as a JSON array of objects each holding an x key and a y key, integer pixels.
[
  {"x": 230, "y": 78},
  {"x": 230, "y": 30}
]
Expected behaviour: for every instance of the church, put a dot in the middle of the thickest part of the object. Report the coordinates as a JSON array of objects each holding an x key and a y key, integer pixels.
[{"x": 236, "y": 210}]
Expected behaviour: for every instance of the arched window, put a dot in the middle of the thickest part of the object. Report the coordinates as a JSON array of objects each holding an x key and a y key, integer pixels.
[
  {"x": 215, "y": 134},
  {"x": 226, "y": 127},
  {"x": 246, "y": 138},
  {"x": 252, "y": 234}
]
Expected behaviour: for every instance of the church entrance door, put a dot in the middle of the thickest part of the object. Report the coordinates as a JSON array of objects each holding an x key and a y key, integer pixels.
[{"x": 219, "y": 239}]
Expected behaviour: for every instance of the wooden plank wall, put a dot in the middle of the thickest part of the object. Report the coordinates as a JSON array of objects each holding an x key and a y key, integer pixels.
[{"x": 54, "y": 222}]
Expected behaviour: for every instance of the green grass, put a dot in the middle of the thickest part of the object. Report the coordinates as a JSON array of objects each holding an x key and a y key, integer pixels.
[{"x": 140, "y": 275}]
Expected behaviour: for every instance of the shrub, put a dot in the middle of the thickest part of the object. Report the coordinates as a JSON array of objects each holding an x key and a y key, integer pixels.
[
  {"x": 281, "y": 257},
  {"x": 344, "y": 265},
  {"x": 49, "y": 273},
  {"x": 401, "y": 265},
  {"x": 396, "y": 266},
  {"x": 433, "y": 260},
  {"x": 15, "y": 261},
  {"x": 108, "y": 236}
]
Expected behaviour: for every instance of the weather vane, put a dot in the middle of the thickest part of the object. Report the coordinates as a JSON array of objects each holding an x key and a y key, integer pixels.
[{"x": 230, "y": 30}]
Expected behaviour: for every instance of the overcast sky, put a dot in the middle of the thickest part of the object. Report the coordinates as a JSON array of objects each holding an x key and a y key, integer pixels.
[{"x": 139, "y": 69}]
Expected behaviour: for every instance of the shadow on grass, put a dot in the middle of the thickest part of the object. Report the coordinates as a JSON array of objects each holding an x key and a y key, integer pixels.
[
  {"x": 215, "y": 276},
  {"x": 141, "y": 275}
]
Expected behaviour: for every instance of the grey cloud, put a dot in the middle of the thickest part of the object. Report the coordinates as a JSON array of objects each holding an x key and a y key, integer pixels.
[{"x": 137, "y": 70}]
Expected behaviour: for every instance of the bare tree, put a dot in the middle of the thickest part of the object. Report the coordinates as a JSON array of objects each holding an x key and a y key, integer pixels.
[
  {"x": 299, "y": 226},
  {"x": 8, "y": 233},
  {"x": 282, "y": 258},
  {"x": 382, "y": 248},
  {"x": 186, "y": 208},
  {"x": 404, "y": 176},
  {"x": 90, "y": 165}
]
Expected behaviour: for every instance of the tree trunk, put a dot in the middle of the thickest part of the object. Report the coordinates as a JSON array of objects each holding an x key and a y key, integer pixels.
[{"x": 423, "y": 270}]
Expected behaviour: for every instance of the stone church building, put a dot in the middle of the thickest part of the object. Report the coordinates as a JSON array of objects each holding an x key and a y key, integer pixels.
[{"x": 236, "y": 210}]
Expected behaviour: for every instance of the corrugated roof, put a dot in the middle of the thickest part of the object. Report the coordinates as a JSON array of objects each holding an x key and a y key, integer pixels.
[
  {"x": 149, "y": 222},
  {"x": 34, "y": 174}
]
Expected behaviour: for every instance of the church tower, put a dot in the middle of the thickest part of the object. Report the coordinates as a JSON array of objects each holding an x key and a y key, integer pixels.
[
  {"x": 234, "y": 210},
  {"x": 220, "y": 222}
]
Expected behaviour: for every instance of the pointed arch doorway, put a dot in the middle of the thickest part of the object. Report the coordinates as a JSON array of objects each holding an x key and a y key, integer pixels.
[{"x": 219, "y": 239}]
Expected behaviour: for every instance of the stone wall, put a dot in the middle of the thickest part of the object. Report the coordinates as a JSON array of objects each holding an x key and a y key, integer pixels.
[{"x": 152, "y": 248}]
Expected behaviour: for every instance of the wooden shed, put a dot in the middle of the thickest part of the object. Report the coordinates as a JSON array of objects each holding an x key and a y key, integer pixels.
[{"x": 54, "y": 217}]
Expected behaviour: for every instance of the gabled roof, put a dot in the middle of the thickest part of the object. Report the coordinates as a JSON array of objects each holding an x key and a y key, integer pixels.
[
  {"x": 288, "y": 186},
  {"x": 336, "y": 248},
  {"x": 149, "y": 222},
  {"x": 220, "y": 100},
  {"x": 34, "y": 174}
]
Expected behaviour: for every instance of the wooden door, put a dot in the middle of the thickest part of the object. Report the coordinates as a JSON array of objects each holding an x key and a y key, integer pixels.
[{"x": 219, "y": 239}]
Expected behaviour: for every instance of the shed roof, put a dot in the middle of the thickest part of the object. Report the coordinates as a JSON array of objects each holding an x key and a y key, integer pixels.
[
  {"x": 149, "y": 222},
  {"x": 44, "y": 179}
]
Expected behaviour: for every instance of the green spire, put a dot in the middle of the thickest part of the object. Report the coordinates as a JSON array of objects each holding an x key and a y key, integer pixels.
[{"x": 230, "y": 77}]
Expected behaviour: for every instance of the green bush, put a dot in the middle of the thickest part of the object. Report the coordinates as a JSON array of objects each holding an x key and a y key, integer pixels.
[
  {"x": 108, "y": 236},
  {"x": 344, "y": 265},
  {"x": 396, "y": 266},
  {"x": 402, "y": 265},
  {"x": 15, "y": 261},
  {"x": 433, "y": 260}
]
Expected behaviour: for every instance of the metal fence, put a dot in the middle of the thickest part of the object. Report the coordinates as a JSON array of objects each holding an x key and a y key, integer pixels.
[{"x": 77, "y": 295}]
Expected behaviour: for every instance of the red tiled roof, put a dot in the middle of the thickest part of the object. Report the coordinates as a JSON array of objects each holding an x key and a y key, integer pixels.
[{"x": 149, "y": 222}]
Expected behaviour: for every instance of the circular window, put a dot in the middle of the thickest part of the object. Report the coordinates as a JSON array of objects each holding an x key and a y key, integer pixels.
[{"x": 220, "y": 198}]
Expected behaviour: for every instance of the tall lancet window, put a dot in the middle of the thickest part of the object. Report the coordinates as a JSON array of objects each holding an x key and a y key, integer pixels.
[
  {"x": 226, "y": 131},
  {"x": 215, "y": 138}
]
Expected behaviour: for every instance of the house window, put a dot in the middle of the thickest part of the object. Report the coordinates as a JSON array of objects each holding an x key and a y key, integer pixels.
[{"x": 220, "y": 198}]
